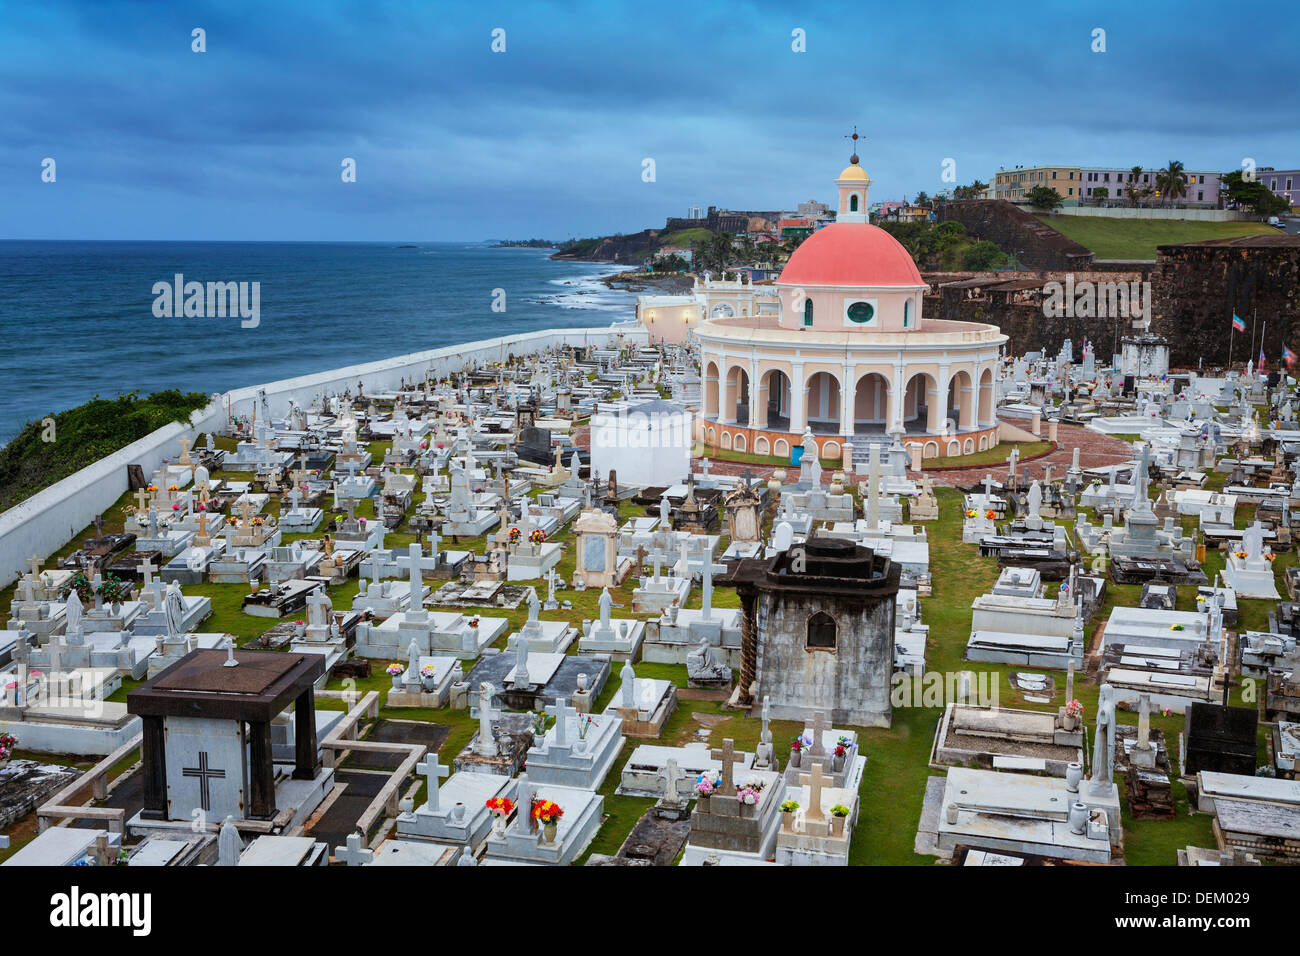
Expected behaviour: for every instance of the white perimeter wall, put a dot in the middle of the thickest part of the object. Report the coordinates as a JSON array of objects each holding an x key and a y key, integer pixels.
[
  {"x": 48, "y": 520},
  {"x": 1128, "y": 212}
]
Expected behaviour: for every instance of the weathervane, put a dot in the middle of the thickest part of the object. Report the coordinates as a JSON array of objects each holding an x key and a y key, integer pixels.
[{"x": 854, "y": 137}]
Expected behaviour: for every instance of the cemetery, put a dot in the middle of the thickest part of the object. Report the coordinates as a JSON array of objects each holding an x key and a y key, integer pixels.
[{"x": 422, "y": 618}]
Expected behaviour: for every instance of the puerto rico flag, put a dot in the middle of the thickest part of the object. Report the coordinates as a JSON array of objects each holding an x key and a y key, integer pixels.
[
  {"x": 1237, "y": 324},
  {"x": 1288, "y": 356},
  {"x": 1261, "y": 359}
]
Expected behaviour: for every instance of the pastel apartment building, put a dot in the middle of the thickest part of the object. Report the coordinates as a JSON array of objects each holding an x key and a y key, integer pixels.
[
  {"x": 1014, "y": 185},
  {"x": 1283, "y": 182},
  {"x": 1202, "y": 185}
]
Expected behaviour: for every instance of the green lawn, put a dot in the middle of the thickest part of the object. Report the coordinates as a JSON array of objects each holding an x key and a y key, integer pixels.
[
  {"x": 999, "y": 454},
  {"x": 1138, "y": 238}
]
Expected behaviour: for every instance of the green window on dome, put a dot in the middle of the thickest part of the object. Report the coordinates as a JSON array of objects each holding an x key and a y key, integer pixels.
[
  {"x": 853, "y": 203},
  {"x": 861, "y": 312},
  {"x": 907, "y": 314},
  {"x": 807, "y": 312}
]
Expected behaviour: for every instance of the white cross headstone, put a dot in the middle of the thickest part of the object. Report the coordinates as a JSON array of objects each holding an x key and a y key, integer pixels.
[
  {"x": 353, "y": 854},
  {"x": 432, "y": 771}
]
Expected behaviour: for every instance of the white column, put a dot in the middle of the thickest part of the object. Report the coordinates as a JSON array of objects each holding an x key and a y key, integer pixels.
[
  {"x": 848, "y": 400},
  {"x": 899, "y": 396},
  {"x": 797, "y": 385}
]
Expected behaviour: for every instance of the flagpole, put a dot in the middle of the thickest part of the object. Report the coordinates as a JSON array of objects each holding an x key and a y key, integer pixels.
[{"x": 1232, "y": 334}]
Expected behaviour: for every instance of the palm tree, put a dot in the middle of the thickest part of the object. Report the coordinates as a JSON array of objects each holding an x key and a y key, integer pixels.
[
  {"x": 1134, "y": 190},
  {"x": 1172, "y": 181}
]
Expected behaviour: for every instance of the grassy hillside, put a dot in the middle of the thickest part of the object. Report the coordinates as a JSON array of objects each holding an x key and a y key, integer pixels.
[
  {"x": 40, "y": 455},
  {"x": 682, "y": 238},
  {"x": 1138, "y": 238}
]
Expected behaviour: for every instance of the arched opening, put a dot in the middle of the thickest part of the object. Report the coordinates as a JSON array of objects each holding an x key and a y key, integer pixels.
[
  {"x": 986, "y": 398},
  {"x": 961, "y": 400},
  {"x": 871, "y": 405},
  {"x": 740, "y": 444},
  {"x": 726, "y": 439},
  {"x": 807, "y": 313},
  {"x": 822, "y": 401},
  {"x": 711, "y": 390},
  {"x": 853, "y": 203},
  {"x": 735, "y": 406},
  {"x": 722, "y": 310},
  {"x": 773, "y": 406},
  {"x": 921, "y": 405},
  {"x": 781, "y": 449},
  {"x": 822, "y": 632},
  {"x": 907, "y": 314},
  {"x": 761, "y": 446}
]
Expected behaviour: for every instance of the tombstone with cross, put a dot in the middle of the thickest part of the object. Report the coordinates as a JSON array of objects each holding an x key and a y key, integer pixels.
[
  {"x": 727, "y": 754},
  {"x": 432, "y": 770},
  {"x": 354, "y": 854}
]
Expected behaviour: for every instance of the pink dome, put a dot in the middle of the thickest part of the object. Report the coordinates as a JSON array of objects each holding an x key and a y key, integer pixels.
[{"x": 851, "y": 254}]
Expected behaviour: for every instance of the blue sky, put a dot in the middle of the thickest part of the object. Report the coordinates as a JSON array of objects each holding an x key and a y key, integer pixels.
[{"x": 453, "y": 141}]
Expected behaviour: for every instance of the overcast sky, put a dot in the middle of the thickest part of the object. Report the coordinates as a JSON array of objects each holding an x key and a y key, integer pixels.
[{"x": 454, "y": 141}]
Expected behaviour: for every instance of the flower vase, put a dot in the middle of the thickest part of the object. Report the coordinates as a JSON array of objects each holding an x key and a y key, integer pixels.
[
  {"x": 794, "y": 758},
  {"x": 837, "y": 825},
  {"x": 4, "y": 762},
  {"x": 1070, "y": 722},
  {"x": 549, "y": 830},
  {"x": 787, "y": 820},
  {"x": 703, "y": 803},
  {"x": 397, "y": 682},
  {"x": 748, "y": 810},
  {"x": 499, "y": 824},
  {"x": 430, "y": 684},
  {"x": 837, "y": 764}
]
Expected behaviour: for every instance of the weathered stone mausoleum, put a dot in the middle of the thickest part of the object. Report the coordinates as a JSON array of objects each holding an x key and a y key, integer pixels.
[{"x": 817, "y": 632}]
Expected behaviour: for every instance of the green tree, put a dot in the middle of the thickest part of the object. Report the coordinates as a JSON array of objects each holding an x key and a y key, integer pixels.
[
  {"x": 1172, "y": 181},
  {"x": 1044, "y": 197},
  {"x": 1133, "y": 190},
  {"x": 982, "y": 255},
  {"x": 1252, "y": 194},
  {"x": 1101, "y": 194}
]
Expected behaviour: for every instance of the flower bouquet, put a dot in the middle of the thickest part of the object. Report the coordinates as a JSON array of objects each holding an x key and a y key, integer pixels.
[
  {"x": 970, "y": 512},
  {"x": 990, "y": 514},
  {"x": 500, "y": 806},
  {"x": 537, "y": 536},
  {"x": 515, "y": 535}
]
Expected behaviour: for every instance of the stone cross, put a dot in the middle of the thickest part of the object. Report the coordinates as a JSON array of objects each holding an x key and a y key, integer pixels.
[
  {"x": 819, "y": 726},
  {"x": 560, "y": 712},
  {"x": 35, "y": 564},
  {"x": 671, "y": 776},
  {"x": 432, "y": 770},
  {"x": 140, "y": 498},
  {"x": 816, "y": 781},
  {"x": 521, "y": 661},
  {"x": 146, "y": 570},
  {"x": 727, "y": 754},
  {"x": 353, "y": 854}
]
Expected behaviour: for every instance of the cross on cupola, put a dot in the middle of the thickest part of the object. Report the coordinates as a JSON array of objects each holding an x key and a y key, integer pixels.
[
  {"x": 854, "y": 137},
  {"x": 852, "y": 184}
]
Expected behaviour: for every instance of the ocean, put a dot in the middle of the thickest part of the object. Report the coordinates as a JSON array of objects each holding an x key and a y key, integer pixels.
[{"x": 78, "y": 318}]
